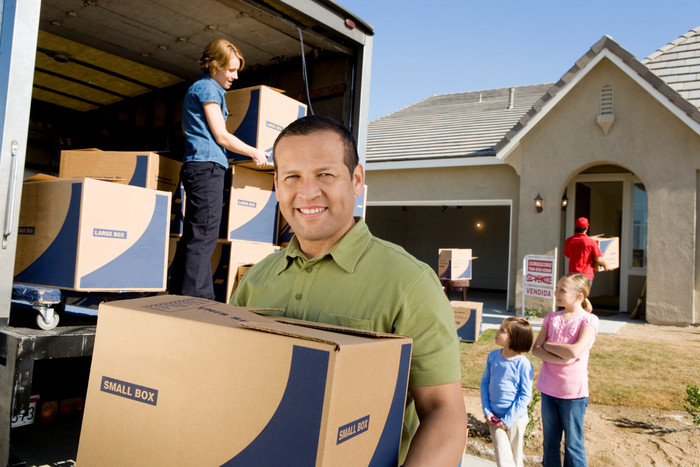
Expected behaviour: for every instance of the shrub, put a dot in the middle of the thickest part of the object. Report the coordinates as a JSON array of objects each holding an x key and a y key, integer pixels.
[
  {"x": 693, "y": 399},
  {"x": 531, "y": 420},
  {"x": 533, "y": 312}
]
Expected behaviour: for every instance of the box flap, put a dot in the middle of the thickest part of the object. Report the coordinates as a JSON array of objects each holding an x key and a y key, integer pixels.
[
  {"x": 284, "y": 329},
  {"x": 40, "y": 178},
  {"x": 337, "y": 329},
  {"x": 461, "y": 250},
  {"x": 191, "y": 308},
  {"x": 259, "y": 86}
]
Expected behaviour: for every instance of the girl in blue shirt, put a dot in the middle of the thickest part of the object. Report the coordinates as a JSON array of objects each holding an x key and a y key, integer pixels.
[
  {"x": 204, "y": 165},
  {"x": 506, "y": 390}
]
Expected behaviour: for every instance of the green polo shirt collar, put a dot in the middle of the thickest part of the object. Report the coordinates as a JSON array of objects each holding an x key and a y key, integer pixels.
[{"x": 346, "y": 253}]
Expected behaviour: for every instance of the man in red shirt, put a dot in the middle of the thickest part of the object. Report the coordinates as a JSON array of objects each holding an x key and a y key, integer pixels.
[{"x": 583, "y": 252}]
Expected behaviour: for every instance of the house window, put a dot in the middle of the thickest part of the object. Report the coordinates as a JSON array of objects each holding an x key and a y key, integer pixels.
[{"x": 639, "y": 227}]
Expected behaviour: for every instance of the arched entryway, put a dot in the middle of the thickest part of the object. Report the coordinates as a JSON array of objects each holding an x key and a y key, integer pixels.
[{"x": 615, "y": 201}]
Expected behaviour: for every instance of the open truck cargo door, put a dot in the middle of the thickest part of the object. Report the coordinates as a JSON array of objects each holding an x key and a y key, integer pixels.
[
  {"x": 111, "y": 74},
  {"x": 18, "y": 29}
]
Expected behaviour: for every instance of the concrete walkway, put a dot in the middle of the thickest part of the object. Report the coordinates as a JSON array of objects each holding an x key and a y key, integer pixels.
[
  {"x": 473, "y": 461},
  {"x": 496, "y": 310}
]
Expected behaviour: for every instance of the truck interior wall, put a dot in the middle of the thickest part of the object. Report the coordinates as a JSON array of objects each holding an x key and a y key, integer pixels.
[
  {"x": 330, "y": 76},
  {"x": 423, "y": 230},
  {"x": 152, "y": 121}
]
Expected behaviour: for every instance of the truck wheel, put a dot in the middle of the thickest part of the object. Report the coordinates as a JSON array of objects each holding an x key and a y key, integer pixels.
[{"x": 47, "y": 325}]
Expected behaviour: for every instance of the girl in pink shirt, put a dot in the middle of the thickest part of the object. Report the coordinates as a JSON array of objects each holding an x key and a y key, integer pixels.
[{"x": 563, "y": 345}]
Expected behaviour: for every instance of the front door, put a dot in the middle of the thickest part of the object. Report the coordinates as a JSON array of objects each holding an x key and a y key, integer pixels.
[{"x": 616, "y": 206}]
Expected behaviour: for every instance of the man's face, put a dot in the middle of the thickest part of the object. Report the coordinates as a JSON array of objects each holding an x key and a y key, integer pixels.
[{"x": 315, "y": 190}]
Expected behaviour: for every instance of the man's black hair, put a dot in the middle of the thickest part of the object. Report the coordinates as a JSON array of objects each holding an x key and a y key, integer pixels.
[{"x": 314, "y": 123}]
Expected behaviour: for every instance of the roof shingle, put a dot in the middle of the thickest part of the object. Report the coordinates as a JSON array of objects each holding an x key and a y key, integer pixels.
[
  {"x": 678, "y": 64},
  {"x": 450, "y": 125}
]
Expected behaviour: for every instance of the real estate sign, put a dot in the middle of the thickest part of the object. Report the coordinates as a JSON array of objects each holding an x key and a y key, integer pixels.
[{"x": 539, "y": 277}]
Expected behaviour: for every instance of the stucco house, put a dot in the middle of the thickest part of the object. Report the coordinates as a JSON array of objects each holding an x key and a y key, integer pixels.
[{"x": 617, "y": 137}]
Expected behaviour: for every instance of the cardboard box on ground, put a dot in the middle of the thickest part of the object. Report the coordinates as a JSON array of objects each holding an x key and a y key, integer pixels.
[
  {"x": 257, "y": 115},
  {"x": 86, "y": 234},
  {"x": 610, "y": 247},
  {"x": 468, "y": 320},
  {"x": 187, "y": 381}
]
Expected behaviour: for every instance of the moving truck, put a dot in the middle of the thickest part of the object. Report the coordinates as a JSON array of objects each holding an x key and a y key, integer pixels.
[{"x": 111, "y": 75}]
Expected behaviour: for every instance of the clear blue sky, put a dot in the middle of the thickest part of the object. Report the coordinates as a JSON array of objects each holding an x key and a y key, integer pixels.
[{"x": 423, "y": 48}]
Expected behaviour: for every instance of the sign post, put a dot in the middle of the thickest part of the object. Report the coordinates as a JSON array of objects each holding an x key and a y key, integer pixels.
[{"x": 539, "y": 277}]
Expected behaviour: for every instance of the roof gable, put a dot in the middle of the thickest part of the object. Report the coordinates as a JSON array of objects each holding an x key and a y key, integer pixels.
[{"x": 604, "y": 48}]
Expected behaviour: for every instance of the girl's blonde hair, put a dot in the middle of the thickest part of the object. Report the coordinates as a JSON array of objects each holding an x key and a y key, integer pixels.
[
  {"x": 581, "y": 284},
  {"x": 217, "y": 54}
]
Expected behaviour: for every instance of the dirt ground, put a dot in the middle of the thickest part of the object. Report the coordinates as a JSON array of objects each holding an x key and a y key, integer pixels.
[{"x": 615, "y": 435}]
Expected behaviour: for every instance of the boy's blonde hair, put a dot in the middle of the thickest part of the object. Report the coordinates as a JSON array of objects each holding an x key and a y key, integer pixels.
[{"x": 217, "y": 54}]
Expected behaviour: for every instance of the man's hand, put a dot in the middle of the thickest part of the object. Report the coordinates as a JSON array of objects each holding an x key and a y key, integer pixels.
[{"x": 601, "y": 264}]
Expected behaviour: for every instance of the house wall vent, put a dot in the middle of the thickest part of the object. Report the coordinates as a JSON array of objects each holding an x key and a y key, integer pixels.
[
  {"x": 606, "y": 100},
  {"x": 606, "y": 118}
]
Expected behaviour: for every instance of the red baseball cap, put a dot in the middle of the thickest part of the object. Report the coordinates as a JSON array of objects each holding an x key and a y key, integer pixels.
[{"x": 581, "y": 222}]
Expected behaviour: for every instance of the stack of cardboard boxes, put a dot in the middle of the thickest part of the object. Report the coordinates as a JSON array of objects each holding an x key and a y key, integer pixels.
[
  {"x": 251, "y": 226},
  {"x": 107, "y": 233},
  {"x": 248, "y": 227},
  {"x": 78, "y": 228},
  {"x": 250, "y": 217},
  {"x": 455, "y": 266}
]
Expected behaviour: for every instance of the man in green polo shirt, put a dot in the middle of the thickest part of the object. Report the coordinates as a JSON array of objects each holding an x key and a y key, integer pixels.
[{"x": 334, "y": 271}]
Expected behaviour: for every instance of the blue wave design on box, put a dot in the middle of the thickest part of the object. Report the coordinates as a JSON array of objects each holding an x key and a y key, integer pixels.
[
  {"x": 247, "y": 131},
  {"x": 467, "y": 272},
  {"x": 387, "y": 451},
  {"x": 285, "y": 234},
  {"x": 262, "y": 227},
  {"x": 138, "y": 178},
  {"x": 177, "y": 210},
  {"x": 448, "y": 272},
  {"x": 604, "y": 244},
  {"x": 292, "y": 435},
  {"x": 221, "y": 273},
  {"x": 141, "y": 266},
  {"x": 56, "y": 265}
]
